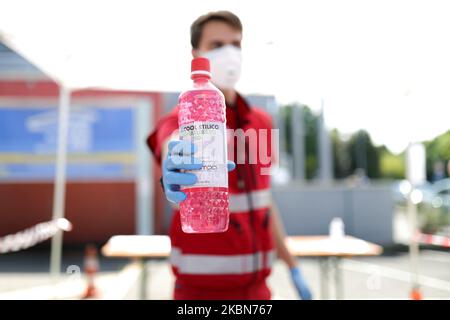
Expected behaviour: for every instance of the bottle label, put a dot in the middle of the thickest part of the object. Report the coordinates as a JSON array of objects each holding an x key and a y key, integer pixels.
[{"x": 210, "y": 140}]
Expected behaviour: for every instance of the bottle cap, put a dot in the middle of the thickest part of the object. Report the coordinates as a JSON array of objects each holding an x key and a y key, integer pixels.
[{"x": 200, "y": 66}]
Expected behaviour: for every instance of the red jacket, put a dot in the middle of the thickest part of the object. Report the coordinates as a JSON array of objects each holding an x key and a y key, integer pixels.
[{"x": 243, "y": 255}]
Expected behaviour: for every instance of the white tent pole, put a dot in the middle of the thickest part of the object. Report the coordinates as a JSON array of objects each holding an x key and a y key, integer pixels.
[
  {"x": 298, "y": 141},
  {"x": 325, "y": 148},
  {"x": 413, "y": 244},
  {"x": 416, "y": 175},
  {"x": 144, "y": 187},
  {"x": 60, "y": 178}
]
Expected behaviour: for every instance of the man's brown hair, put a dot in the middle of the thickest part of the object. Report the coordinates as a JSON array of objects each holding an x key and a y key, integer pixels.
[{"x": 225, "y": 16}]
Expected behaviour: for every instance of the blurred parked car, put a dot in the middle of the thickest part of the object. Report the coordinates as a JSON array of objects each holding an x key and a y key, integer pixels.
[
  {"x": 434, "y": 209},
  {"x": 433, "y": 202}
]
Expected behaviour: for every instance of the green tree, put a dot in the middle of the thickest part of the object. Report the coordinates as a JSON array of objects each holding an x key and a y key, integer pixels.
[
  {"x": 364, "y": 154},
  {"x": 310, "y": 131},
  {"x": 310, "y": 122},
  {"x": 437, "y": 149},
  {"x": 341, "y": 157},
  {"x": 392, "y": 166}
]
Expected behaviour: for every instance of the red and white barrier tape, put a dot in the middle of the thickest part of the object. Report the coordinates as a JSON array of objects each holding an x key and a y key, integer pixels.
[
  {"x": 434, "y": 239},
  {"x": 32, "y": 236}
]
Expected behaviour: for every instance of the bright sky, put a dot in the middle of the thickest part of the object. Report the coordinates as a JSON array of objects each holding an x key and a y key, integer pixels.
[{"x": 379, "y": 65}]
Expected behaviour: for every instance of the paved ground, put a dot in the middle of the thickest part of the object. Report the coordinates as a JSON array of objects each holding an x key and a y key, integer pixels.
[
  {"x": 368, "y": 278},
  {"x": 24, "y": 275},
  {"x": 27, "y": 269}
]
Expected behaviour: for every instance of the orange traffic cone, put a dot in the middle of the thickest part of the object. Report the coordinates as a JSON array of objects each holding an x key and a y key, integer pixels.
[
  {"x": 416, "y": 294},
  {"x": 91, "y": 266}
]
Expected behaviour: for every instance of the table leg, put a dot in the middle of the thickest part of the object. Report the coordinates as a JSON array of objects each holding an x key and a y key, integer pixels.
[
  {"x": 324, "y": 273},
  {"x": 144, "y": 275},
  {"x": 338, "y": 278}
]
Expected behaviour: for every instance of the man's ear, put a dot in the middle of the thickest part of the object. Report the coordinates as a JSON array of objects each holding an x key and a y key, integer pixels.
[{"x": 195, "y": 53}]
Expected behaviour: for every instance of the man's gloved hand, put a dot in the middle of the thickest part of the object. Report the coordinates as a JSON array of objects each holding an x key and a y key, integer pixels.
[
  {"x": 181, "y": 157},
  {"x": 300, "y": 284}
]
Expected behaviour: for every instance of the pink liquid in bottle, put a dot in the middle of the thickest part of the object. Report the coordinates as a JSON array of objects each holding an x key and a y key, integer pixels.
[{"x": 201, "y": 120}]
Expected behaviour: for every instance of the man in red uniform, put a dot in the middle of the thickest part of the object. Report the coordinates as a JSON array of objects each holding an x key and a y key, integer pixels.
[{"x": 234, "y": 264}]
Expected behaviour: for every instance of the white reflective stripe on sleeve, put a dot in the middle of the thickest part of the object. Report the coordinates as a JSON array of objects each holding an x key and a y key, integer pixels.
[
  {"x": 206, "y": 264},
  {"x": 260, "y": 199}
]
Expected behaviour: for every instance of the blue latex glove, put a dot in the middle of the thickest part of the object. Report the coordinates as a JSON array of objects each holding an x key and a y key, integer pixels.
[
  {"x": 181, "y": 157},
  {"x": 300, "y": 284}
]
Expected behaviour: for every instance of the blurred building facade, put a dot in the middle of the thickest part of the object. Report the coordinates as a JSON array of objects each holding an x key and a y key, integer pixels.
[{"x": 101, "y": 192}]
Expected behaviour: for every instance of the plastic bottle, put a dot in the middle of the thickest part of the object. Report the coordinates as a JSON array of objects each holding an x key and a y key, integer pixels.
[
  {"x": 202, "y": 120},
  {"x": 337, "y": 229}
]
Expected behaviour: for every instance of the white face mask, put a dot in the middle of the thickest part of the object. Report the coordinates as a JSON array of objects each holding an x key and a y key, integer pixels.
[{"x": 225, "y": 65}]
